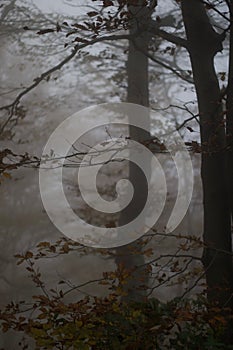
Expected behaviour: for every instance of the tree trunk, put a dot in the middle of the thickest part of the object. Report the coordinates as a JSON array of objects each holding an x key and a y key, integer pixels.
[
  {"x": 130, "y": 256},
  {"x": 203, "y": 44},
  {"x": 229, "y": 116}
]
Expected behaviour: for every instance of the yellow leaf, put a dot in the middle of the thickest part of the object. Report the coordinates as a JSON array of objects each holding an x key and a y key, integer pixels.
[
  {"x": 78, "y": 323},
  {"x": 7, "y": 175}
]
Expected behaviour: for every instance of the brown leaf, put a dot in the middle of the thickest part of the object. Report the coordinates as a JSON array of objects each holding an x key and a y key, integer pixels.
[
  {"x": 81, "y": 40},
  {"x": 190, "y": 129},
  {"x": 45, "y": 31},
  {"x": 92, "y": 13},
  {"x": 107, "y": 3},
  {"x": 28, "y": 255},
  {"x": 79, "y": 26}
]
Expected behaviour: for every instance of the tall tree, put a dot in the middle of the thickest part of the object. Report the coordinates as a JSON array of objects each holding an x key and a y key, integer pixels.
[
  {"x": 137, "y": 93},
  {"x": 203, "y": 44},
  {"x": 229, "y": 112}
]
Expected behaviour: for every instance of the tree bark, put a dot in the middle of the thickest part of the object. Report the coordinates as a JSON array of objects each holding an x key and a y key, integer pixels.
[
  {"x": 203, "y": 44},
  {"x": 130, "y": 256},
  {"x": 229, "y": 115}
]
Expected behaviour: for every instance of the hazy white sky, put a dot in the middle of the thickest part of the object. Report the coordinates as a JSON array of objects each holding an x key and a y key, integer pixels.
[{"x": 68, "y": 7}]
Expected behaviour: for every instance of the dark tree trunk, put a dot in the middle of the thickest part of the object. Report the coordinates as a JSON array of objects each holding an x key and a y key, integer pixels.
[
  {"x": 130, "y": 256},
  {"x": 203, "y": 44},
  {"x": 229, "y": 116}
]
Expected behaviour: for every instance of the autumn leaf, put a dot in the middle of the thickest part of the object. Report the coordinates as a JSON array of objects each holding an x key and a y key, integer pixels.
[
  {"x": 43, "y": 245},
  {"x": 222, "y": 76},
  {"x": 92, "y": 14},
  {"x": 81, "y": 40},
  {"x": 107, "y": 3},
  {"x": 70, "y": 33},
  {"x": 45, "y": 31},
  {"x": 7, "y": 175},
  {"x": 79, "y": 26},
  {"x": 190, "y": 129},
  {"x": 28, "y": 255}
]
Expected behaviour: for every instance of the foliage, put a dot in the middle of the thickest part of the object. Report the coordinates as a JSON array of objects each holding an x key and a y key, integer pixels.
[
  {"x": 107, "y": 322},
  {"x": 90, "y": 322}
]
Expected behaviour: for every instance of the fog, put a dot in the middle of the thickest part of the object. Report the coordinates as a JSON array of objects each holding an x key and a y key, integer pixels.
[{"x": 82, "y": 83}]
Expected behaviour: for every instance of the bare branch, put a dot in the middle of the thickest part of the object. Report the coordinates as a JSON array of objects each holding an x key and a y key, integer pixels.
[
  {"x": 6, "y": 10},
  {"x": 163, "y": 64},
  {"x": 154, "y": 30},
  {"x": 12, "y": 106}
]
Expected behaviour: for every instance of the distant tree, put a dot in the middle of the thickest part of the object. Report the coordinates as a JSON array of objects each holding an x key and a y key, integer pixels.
[{"x": 136, "y": 21}]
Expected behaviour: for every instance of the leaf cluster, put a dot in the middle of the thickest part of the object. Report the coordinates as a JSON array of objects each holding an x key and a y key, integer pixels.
[{"x": 53, "y": 321}]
